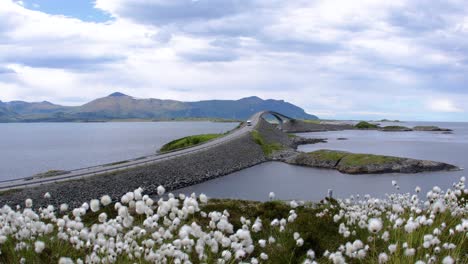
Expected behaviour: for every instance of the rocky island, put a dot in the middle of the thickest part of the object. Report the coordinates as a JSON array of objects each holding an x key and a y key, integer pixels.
[{"x": 350, "y": 163}]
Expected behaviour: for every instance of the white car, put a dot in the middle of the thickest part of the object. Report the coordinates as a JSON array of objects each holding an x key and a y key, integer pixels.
[{"x": 249, "y": 123}]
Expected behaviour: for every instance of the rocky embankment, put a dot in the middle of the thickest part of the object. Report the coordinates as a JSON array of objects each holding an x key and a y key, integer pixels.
[{"x": 351, "y": 163}]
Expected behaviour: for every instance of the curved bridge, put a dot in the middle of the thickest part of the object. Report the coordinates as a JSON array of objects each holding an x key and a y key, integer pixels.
[{"x": 282, "y": 119}]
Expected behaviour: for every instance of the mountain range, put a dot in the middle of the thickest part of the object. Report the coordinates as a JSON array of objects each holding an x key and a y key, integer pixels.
[{"x": 120, "y": 106}]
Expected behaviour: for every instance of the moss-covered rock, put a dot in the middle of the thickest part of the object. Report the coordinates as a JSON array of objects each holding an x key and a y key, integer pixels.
[{"x": 366, "y": 125}]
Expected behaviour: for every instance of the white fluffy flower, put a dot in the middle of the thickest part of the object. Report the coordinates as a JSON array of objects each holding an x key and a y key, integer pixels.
[
  {"x": 160, "y": 190},
  {"x": 203, "y": 198},
  {"x": 383, "y": 258},
  {"x": 28, "y": 203},
  {"x": 39, "y": 246},
  {"x": 448, "y": 260},
  {"x": 106, "y": 200},
  {"x": 94, "y": 204},
  {"x": 47, "y": 195},
  {"x": 63, "y": 207},
  {"x": 374, "y": 225},
  {"x": 271, "y": 195}
]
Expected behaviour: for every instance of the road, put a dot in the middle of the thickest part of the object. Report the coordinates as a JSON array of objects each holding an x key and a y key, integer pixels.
[{"x": 96, "y": 170}]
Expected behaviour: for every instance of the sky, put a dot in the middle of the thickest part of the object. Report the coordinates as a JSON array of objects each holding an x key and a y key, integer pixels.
[{"x": 362, "y": 59}]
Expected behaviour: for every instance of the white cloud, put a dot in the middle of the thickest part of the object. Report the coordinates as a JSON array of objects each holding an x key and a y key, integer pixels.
[
  {"x": 443, "y": 105},
  {"x": 359, "y": 58}
]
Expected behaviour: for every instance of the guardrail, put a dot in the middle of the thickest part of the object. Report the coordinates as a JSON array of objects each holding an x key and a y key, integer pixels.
[{"x": 158, "y": 157}]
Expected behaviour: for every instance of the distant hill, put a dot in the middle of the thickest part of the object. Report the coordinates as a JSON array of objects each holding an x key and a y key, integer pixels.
[{"x": 121, "y": 106}]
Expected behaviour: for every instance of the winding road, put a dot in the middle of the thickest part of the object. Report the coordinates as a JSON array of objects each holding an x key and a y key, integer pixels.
[{"x": 96, "y": 170}]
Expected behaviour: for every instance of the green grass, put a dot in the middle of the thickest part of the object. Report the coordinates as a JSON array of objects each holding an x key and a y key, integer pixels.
[
  {"x": 50, "y": 173},
  {"x": 292, "y": 136},
  {"x": 351, "y": 159},
  {"x": 395, "y": 128},
  {"x": 365, "y": 125},
  {"x": 188, "y": 142},
  {"x": 268, "y": 148},
  {"x": 366, "y": 159},
  {"x": 327, "y": 155}
]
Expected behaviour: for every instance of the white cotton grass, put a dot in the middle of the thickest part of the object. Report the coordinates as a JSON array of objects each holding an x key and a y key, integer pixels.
[
  {"x": 375, "y": 225},
  {"x": 106, "y": 200},
  {"x": 39, "y": 246},
  {"x": 408, "y": 228}
]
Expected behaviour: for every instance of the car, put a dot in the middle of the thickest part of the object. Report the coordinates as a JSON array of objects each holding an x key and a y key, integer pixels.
[{"x": 249, "y": 123}]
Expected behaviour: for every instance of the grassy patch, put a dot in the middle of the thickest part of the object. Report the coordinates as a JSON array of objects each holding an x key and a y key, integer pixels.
[
  {"x": 395, "y": 128},
  {"x": 292, "y": 136},
  {"x": 328, "y": 155},
  {"x": 267, "y": 148},
  {"x": 50, "y": 173},
  {"x": 188, "y": 142},
  {"x": 365, "y": 125},
  {"x": 366, "y": 159}
]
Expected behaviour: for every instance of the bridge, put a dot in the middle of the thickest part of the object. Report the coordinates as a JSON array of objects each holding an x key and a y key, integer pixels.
[{"x": 282, "y": 119}]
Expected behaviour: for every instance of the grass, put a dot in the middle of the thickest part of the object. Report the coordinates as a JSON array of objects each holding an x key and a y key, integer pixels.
[
  {"x": 188, "y": 142},
  {"x": 50, "y": 173},
  {"x": 366, "y": 125},
  {"x": 268, "y": 148},
  {"x": 328, "y": 155},
  {"x": 353, "y": 160},
  {"x": 292, "y": 136},
  {"x": 390, "y": 128}
]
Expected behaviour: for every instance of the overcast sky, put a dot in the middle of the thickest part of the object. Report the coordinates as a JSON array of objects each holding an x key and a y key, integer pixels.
[{"x": 362, "y": 59}]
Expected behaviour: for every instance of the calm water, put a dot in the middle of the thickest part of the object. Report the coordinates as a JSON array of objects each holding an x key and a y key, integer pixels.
[
  {"x": 27, "y": 149},
  {"x": 293, "y": 182}
]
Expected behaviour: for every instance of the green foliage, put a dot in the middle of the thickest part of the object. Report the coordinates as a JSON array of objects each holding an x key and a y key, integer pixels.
[
  {"x": 188, "y": 142},
  {"x": 366, "y": 159},
  {"x": 268, "y": 148},
  {"x": 351, "y": 159},
  {"x": 365, "y": 125},
  {"x": 396, "y": 128}
]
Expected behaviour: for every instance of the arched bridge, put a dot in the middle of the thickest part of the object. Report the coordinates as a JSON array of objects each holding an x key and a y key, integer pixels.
[{"x": 282, "y": 119}]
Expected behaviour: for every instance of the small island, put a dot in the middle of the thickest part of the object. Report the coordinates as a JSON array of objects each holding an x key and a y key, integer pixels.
[
  {"x": 363, "y": 125},
  {"x": 351, "y": 163}
]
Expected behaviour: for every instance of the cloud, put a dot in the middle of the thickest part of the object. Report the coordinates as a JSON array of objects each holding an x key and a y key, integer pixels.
[
  {"x": 443, "y": 105},
  {"x": 352, "y": 59}
]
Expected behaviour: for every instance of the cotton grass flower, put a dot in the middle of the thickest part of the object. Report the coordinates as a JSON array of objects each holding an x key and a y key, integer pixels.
[
  {"x": 375, "y": 225},
  {"x": 39, "y": 246},
  {"x": 106, "y": 200},
  {"x": 271, "y": 195},
  {"x": 160, "y": 190}
]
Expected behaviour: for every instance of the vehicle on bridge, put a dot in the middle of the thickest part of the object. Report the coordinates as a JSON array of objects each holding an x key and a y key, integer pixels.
[{"x": 249, "y": 123}]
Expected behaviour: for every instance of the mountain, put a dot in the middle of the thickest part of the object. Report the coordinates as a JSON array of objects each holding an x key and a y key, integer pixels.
[
  {"x": 120, "y": 106},
  {"x": 5, "y": 113},
  {"x": 245, "y": 107}
]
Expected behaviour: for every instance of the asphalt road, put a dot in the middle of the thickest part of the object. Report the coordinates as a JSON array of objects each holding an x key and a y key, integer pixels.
[{"x": 96, "y": 170}]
